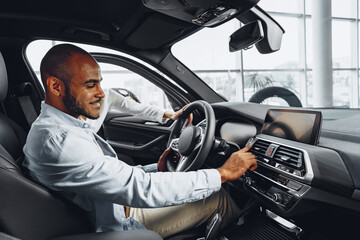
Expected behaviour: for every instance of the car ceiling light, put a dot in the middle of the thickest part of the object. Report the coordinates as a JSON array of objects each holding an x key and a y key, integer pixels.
[{"x": 214, "y": 16}]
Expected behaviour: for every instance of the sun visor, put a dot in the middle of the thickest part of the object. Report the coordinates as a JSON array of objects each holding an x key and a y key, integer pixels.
[{"x": 156, "y": 31}]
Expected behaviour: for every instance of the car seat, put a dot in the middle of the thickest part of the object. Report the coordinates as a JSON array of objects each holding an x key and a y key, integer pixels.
[{"x": 30, "y": 211}]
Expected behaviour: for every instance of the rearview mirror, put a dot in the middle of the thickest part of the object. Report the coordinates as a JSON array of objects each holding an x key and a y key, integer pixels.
[{"x": 246, "y": 36}]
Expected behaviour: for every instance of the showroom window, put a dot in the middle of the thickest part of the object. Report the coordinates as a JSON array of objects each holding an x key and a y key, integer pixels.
[{"x": 237, "y": 76}]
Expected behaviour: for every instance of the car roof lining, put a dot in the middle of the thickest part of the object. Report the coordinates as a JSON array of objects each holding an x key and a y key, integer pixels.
[
  {"x": 127, "y": 23},
  {"x": 154, "y": 28}
]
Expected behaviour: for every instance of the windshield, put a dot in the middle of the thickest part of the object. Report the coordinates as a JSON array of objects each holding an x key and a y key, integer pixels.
[{"x": 247, "y": 75}]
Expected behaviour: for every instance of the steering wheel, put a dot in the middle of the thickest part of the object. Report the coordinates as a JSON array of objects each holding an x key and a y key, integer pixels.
[{"x": 191, "y": 145}]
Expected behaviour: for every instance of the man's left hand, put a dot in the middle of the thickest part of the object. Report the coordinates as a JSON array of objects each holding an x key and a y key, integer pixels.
[{"x": 174, "y": 116}]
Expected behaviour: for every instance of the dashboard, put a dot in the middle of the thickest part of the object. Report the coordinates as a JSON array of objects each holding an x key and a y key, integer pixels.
[{"x": 295, "y": 177}]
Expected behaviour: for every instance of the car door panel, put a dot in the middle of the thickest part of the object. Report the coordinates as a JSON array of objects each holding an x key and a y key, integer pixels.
[{"x": 134, "y": 140}]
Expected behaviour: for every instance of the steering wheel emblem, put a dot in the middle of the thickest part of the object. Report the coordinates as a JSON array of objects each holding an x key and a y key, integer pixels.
[{"x": 188, "y": 139}]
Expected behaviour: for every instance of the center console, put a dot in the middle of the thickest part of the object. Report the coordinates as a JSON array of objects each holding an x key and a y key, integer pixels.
[{"x": 283, "y": 175}]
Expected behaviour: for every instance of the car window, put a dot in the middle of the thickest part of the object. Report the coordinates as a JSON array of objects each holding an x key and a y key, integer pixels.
[
  {"x": 122, "y": 80},
  {"x": 238, "y": 76},
  {"x": 132, "y": 85},
  {"x": 36, "y": 50}
]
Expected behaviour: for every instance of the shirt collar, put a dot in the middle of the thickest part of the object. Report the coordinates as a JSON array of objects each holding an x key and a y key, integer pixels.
[{"x": 61, "y": 117}]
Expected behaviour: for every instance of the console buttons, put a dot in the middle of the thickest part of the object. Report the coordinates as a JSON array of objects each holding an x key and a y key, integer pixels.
[
  {"x": 282, "y": 181},
  {"x": 263, "y": 191},
  {"x": 281, "y": 198},
  {"x": 250, "y": 182},
  {"x": 271, "y": 150},
  {"x": 277, "y": 197},
  {"x": 251, "y": 141},
  {"x": 294, "y": 185},
  {"x": 286, "y": 199},
  {"x": 284, "y": 168},
  {"x": 298, "y": 173}
]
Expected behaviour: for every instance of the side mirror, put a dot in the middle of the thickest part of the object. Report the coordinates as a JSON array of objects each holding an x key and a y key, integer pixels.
[{"x": 246, "y": 36}]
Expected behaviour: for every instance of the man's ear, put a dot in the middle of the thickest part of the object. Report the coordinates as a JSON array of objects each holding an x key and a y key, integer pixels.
[{"x": 55, "y": 86}]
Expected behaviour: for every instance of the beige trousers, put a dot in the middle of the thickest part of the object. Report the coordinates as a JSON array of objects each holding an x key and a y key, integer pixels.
[{"x": 170, "y": 220}]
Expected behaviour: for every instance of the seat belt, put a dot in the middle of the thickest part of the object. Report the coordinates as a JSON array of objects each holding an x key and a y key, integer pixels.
[
  {"x": 28, "y": 108},
  {"x": 23, "y": 93}
]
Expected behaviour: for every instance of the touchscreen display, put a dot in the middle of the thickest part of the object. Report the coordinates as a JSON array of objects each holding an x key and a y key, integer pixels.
[{"x": 297, "y": 125}]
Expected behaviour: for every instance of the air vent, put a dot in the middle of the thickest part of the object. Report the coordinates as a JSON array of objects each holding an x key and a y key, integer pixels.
[
  {"x": 260, "y": 147},
  {"x": 289, "y": 156}
]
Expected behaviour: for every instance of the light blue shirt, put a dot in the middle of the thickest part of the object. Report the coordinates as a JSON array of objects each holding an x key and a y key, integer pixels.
[{"x": 64, "y": 154}]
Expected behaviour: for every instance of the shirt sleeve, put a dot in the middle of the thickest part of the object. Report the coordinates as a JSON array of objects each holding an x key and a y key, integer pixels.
[
  {"x": 149, "y": 168},
  {"x": 77, "y": 165},
  {"x": 128, "y": 105}
]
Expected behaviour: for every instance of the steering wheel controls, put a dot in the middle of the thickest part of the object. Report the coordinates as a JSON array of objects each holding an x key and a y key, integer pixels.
[{"x": 175, "y": 145}]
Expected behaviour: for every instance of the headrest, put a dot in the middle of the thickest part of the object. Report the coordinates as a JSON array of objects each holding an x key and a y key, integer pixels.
[{"x": 3, "y": 79}]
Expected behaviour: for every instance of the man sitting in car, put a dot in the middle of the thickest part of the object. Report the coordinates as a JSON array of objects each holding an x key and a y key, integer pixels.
[{"x": 64, "y": 154}]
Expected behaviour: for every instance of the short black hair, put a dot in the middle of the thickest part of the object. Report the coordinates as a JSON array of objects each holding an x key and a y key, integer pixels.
[{"x": 54, "y": 62}]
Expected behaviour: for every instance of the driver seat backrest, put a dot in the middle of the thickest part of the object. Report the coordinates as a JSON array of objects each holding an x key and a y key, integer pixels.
[{"x": 28, "y": 210}]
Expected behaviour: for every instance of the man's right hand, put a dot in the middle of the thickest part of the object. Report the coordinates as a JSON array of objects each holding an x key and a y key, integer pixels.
[
  {"x": 237, "y": 164},
  {"x": 161, "y": 165}
]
